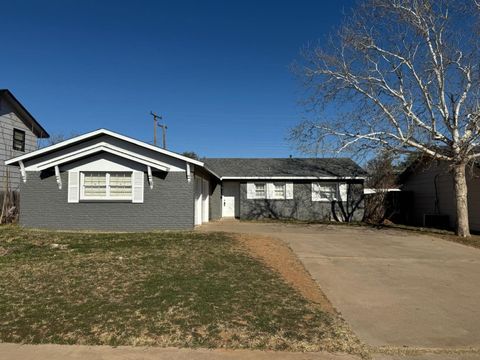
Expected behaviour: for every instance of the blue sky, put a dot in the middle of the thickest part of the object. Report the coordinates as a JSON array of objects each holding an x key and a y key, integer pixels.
[{"x": 218, "y": 71}]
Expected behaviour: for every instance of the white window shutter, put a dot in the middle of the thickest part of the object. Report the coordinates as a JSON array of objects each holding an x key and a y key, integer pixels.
[
  {"x": 289, "y": 191},
  {"x": 316, "y": 192},
  {"x": 250, "y": 190},
  {"x": 343, "y": 190},
  {"x": 137, "y": 186},
  {"x": 73, "y": 186}
]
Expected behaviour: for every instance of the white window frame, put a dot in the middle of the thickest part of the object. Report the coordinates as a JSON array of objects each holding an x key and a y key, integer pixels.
[
  {"x": 260, "y": 196},
  {"x": 317, "y": 195},
  {"x": 107, "y": 196}
]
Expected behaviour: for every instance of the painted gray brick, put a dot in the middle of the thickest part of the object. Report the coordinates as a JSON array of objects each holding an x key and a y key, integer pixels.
[
  {"x": 169, "y": 205},
  {"x": 301, "y": 207}
]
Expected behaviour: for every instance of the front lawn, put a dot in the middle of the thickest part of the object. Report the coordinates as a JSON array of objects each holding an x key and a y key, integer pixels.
[{"x": 169, "y": 289}]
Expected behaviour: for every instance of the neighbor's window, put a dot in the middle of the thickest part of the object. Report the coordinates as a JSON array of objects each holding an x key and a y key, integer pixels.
[
  {"x": 324, "y": 191},
  {"x": 260, "y": 190},
  {"x": 279, "y": 190},
  {"x": 106, "y": 186},
  {"x": 18, "y": 140}
]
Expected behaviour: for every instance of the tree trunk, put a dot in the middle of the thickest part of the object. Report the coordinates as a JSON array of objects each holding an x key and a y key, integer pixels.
[{"x": 461, "y": 200}]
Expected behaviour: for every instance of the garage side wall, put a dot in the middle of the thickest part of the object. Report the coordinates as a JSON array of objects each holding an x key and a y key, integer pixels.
[
  {"x": 301, "y": 207},
  {"x": 215, "y": 199},
  {"x": 169, "y": 205}
]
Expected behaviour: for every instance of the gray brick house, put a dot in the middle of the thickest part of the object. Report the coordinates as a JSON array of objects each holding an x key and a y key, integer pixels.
[
  {"x": 106, "y": 181},
  {"x": 19, "y": 132}
]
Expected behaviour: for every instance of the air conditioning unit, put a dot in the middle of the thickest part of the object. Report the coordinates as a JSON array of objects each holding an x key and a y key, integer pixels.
[{"x": 438, "y": 221}]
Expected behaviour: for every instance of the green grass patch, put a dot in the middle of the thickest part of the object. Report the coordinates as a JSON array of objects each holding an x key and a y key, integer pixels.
[{"x": 169, "y": 289}]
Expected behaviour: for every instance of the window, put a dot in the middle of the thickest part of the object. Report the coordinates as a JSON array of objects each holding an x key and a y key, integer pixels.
[
  {"x": 18, "y": 140},
  {"x": 324, "y": 191},
  {"x": 106, "y": 186},
  {"x": 279, "y": 190},
  {"x": 260, "y": 190}
]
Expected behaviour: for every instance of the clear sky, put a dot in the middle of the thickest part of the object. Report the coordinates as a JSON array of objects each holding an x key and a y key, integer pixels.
[{"x": 218, "y": 71}]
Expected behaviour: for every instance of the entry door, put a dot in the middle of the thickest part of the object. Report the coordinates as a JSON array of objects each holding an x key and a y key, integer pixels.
[{"x": 230, "y": 199}]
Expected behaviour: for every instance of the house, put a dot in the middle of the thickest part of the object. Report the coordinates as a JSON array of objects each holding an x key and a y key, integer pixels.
[
  {"x": 19, "y": 133},
  {"x": 291, "y": 188},
  {"x": 431, "y": 193},
  {"x": 106, "y": 181}
]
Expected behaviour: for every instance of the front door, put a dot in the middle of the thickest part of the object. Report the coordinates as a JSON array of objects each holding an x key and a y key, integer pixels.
[{"x": 230, "y": 199}]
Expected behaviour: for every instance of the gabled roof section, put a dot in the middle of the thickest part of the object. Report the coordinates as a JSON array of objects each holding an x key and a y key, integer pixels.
[
  {"x": 25, "y": 115},
  {"x": 95, "y": 134},
  {"x": 285, "y": 168}
]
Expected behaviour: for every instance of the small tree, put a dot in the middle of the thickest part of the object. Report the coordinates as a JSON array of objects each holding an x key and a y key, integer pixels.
[
  {"x": 382, "y": 175},
  {"x": 191, "y": 155},
  {"x": 405, "y": 76}
]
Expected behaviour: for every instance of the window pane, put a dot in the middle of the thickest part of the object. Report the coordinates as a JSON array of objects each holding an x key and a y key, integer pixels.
[
  {"x": 328, "y": 191},
  {"x": 279, "y": 190},
  {"x": 18, "y": 140},
  {"x": 95, "y": 184},
  {"x": 260, "y": 189},
  {"x": 120, "y": 184}
]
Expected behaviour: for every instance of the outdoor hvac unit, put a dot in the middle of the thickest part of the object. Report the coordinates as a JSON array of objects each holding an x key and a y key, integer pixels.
[{"x": 437, "y": 221}]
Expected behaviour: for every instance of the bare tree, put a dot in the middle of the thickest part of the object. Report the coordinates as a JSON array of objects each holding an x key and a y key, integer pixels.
[
  {"x": 405, "y": 76},
  {"x": 55, "y": 139}
]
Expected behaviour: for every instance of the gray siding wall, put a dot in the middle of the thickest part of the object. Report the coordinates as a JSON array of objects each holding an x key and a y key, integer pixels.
[
  {"x": 435, "y": 182},
  {"x": 169, "y": 205},
  {"x": 301, "y": 207},
  {"x": 215, "y": 199},
  {"x": 9, "y": 120}
]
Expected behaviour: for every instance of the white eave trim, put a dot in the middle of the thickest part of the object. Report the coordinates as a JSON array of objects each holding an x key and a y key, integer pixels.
[
  {"x": 369, "y": 191},
  {"x": 105, "y": 147},
  {"x": 293, "y": 178},
  {"x": 101, "y": 132}
]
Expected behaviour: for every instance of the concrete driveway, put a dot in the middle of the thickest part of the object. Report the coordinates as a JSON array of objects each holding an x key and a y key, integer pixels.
[{"x": 395, "y": 288}]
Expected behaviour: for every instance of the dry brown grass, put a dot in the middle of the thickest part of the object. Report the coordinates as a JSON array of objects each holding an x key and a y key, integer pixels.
[
  {"x": 278, "y": 256},
  {"x": 164, "y": 289}
]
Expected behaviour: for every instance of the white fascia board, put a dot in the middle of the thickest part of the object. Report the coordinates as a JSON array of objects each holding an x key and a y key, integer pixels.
[
  {"x": 293, "y": 178},
  {"x": 101, "y": 132},
  {"x": 99, "y": 148}
]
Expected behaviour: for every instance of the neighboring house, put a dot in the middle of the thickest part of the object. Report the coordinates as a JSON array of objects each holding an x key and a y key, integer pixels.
[
  {"x": 432, "y": 195},
  {"x": 19, "y": 132},
  {"x": 106, "y": 181}
]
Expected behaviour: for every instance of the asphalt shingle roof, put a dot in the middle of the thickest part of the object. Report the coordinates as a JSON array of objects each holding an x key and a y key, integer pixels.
[{"x": 295, "y": 167}]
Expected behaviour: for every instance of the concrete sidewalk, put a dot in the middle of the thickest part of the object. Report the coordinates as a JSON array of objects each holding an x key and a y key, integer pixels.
[{"x": 75, "y": 352}]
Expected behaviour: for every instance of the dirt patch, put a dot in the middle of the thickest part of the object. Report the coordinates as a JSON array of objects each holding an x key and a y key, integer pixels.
[{"x": 278, "y": 256}]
